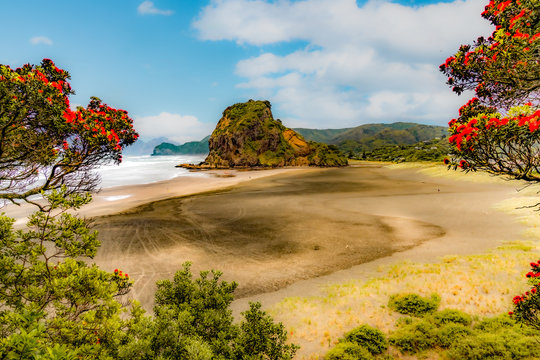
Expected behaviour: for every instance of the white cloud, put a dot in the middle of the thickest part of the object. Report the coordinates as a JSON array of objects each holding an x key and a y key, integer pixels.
[
  {"x": 148, "y": 8},
  {"x": 41, "y": 40},
  {"x": 376, "y": 62},
  {"x": 180, "y": 128}
]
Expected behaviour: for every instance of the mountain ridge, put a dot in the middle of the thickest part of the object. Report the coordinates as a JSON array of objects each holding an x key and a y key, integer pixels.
[{"x": 366, "y": 137}]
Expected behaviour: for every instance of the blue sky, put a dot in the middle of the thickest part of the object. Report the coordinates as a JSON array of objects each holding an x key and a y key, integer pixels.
[{"x": 175, "y": 65}]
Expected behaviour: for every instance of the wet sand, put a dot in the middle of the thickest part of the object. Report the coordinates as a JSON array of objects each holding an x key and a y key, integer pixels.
[{"x": 288, "y": 234}]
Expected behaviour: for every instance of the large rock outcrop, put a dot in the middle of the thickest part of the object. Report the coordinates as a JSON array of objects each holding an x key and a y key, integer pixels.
[{"x": 248, "y": 136}]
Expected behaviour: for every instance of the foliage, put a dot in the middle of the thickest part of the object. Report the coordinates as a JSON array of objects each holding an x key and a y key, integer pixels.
[
  {"x": 451, "y": 333},
  {"x": 433, "y": 150},
  {"x": 43, "y": 278},
  {"x": 325, "y": 155},
  {"x": 485, "y": 140},
  {"x": 497, "y": 130},
  {"x": 348, "y": 351},
  {"x": 44, "y": 144},
  {"x": 371, "y": 338},
  {"x": 192, "y": 320},
  {"x": 448, "y": 316},
  {"x": 510, "y": 345},
  {"x": 414, "y": 337},
  {"x": 369, "y": 137},
  {"x": 413, "y": 304}
]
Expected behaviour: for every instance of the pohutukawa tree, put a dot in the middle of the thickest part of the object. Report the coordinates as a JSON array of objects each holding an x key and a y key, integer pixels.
[
  {"x": 498, "y": 130},
  {"x": 44, "y": 144},
  {"x": 53, "y": 304}
]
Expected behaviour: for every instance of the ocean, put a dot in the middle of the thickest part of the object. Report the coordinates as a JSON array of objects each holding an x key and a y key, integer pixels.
[{"x": 146, "y": 169}]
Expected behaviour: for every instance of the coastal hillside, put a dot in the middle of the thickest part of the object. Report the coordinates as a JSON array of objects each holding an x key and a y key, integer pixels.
[
  {"x": 142, "y": 147},
  {"x": 191, "y": 147},
  {"x": 248, "y": 136},
  {"x": 357, "y": 140},
  {"x": 373, "y": 136}
]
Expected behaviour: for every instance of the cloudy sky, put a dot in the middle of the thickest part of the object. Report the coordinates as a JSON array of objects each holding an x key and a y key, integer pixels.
[{"x": 175, "y": 65}]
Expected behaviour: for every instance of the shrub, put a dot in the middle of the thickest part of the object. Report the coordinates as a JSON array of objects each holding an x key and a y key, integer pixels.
[
  {"x": 348, "y": 351},
  {"x": 450, "y": 333},
  {"x": 413, "y": 304},
  {"x": 507, "y": 344},
  {"x": 450, "y": 316},
  {"x": 415, "y": 337},
  {"x": 479, "y": 346},
  {"x": 371, "y": 338},
  {"x": 494, "y": 324}
]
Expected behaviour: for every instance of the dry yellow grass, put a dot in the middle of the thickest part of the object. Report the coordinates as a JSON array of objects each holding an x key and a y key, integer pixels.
[{"x": 482, "y": 285}]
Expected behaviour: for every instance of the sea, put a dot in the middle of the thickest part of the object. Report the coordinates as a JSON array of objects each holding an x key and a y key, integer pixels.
[{"x": 146, "y": 169}]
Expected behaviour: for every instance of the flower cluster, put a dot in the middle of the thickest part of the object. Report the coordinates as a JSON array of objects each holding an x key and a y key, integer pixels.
[
  {"x": 118, "y": 274},
  {"x": 465, "y": 131},
  {"x": 527, "y": 305}
]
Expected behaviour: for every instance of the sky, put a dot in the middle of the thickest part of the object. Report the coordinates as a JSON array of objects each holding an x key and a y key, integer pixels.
[{"x": 175, "y": 65}]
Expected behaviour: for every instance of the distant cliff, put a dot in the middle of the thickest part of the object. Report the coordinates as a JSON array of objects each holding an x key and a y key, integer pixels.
[
  {"x": 248, "y": 136},
  {"x": 192, "y": 147}
]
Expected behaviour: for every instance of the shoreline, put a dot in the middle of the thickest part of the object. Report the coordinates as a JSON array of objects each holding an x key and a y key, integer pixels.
[{"x": 111, "y": 200}]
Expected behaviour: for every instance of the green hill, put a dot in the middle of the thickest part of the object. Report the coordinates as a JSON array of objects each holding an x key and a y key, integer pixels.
[
  {"x": 189, "y": 148},
  {"x": 371, "y": 136},
  {"x": 321, "y": 135},
  {"x": 357, "y": 140}
]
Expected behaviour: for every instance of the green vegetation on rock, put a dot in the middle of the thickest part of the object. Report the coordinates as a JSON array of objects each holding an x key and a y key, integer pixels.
[{"x": 248, "y": 136}]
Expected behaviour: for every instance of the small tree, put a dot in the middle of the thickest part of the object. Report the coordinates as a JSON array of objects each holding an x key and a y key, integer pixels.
[
  {"x": 52, "y": 303},
  {"x": 192, "y": 320},
  {"x": 43, "y": 143}
]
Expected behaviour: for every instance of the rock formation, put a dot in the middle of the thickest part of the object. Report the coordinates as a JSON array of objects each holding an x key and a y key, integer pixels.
[{"x": 248, "y": 136}]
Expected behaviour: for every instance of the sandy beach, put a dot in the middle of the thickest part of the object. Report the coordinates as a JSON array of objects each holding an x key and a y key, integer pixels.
[
  {"x": 292, "y": 237},
  {"x": 288, "y": 232}
]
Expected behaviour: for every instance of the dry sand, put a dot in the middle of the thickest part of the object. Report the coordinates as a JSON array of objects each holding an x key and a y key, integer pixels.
[{"x": 290, "y": 234}]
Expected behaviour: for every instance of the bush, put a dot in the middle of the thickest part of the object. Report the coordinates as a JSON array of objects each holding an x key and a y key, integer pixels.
[
  {"x": 348, "y": 351},
  {"x": 448, "y": 334},
  {"x": 413, "y": 304},
  {"x": 497, "y": 323},
  {"x": 368, "y": 337},
  {"x": 507, "y": 344},
  {"x": 450, "y": 316},
  {"x": 415, "y": 337}
]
